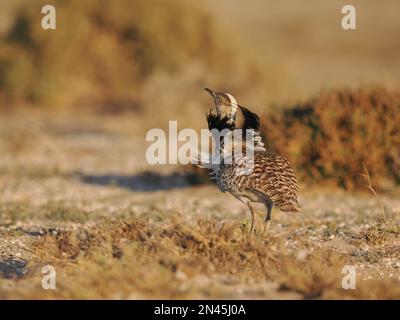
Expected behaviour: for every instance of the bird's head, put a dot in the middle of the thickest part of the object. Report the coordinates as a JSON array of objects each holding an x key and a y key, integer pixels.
[{"x": 225, "y": 104}]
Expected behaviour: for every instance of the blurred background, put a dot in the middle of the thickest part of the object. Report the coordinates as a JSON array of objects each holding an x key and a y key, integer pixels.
[
  {"x": 147, "y": 63},
  {"x": 77, "y": 192}
]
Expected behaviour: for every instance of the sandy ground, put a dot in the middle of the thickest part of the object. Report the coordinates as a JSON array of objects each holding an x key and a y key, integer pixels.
[{"x": 60, "y": 175}]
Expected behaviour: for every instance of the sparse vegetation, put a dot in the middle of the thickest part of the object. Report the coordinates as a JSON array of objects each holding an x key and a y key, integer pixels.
[
  {"x": 175, "y": 259},
  {"x": 77, "y": 193},
  {"x": 112, "y": 230}
]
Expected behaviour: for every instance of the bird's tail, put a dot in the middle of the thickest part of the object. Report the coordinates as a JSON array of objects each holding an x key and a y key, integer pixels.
[{"x": 201, "y": 159}]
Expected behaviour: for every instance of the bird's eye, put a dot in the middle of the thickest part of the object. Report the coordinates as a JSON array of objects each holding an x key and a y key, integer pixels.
[{"x": 219, "y": 99}]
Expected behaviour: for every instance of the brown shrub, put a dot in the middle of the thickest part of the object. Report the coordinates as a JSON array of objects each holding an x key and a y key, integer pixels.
[{"x": 330, "y": 136}]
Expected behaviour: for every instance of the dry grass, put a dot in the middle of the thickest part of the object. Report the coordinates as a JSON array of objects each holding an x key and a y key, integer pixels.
[
  {"x": 113, "y": 231},
  {"x": 76, "y": 191},
  {"x": 173, "y": 259},
  {"x": 371, "y": 188}
]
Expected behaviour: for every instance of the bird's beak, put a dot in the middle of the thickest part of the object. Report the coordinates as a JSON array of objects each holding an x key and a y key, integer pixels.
[{"x": 212, "y": 93}]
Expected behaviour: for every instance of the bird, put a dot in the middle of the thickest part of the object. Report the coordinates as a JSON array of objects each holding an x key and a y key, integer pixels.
[{"x": 271, "y": 179}]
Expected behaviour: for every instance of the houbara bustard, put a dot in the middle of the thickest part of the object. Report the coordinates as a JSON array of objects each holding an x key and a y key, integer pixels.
[{"x": 271, "y": 180}]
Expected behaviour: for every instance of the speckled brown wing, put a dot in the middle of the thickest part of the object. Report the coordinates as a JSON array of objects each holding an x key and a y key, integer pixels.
[{"x": 274, "y": 176}]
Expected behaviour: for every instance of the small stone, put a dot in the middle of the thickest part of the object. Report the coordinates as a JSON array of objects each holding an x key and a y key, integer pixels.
[
  {"x": 302, "y": 254},
  {"x": 180, "y": 275}
]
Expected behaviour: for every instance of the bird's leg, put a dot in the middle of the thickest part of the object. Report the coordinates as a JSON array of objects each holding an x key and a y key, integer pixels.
[
  {"x": 267, "y": 223},
  {"x": 252, "y": 217},
  {"x": 267, "y": 220},
  {"x": 247, "y": 202}
]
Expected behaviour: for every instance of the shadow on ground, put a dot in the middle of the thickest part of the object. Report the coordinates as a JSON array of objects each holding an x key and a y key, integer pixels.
[
  {"x": 12, "y": 268},
  {"x": 146, "y": 181}
]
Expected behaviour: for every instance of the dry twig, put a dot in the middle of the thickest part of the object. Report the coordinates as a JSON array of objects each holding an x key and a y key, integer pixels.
[{"x": 369, "y": 186}]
